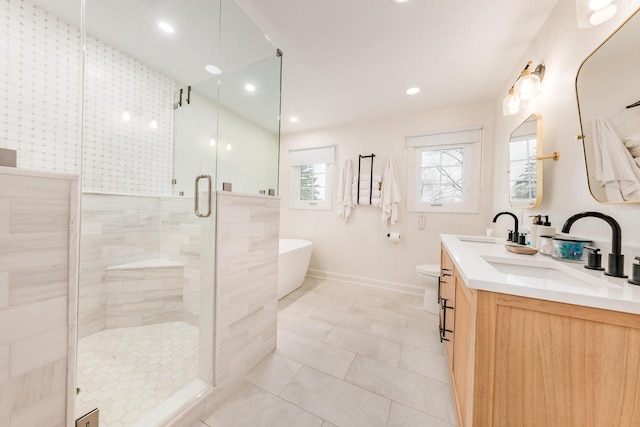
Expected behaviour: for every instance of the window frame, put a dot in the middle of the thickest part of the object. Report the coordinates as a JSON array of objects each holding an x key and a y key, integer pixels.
[
  {"x": 471, "y": 142},
  {"x": 296, "y": 203}
]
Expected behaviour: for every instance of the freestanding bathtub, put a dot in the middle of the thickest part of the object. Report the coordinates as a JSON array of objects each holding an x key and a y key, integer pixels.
[{"x": 293, "y": 263}]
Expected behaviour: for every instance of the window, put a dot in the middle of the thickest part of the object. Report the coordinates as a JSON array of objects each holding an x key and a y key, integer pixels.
[
  {"x": 311, "y": 178},
  {"x": 444, "y": 172}
]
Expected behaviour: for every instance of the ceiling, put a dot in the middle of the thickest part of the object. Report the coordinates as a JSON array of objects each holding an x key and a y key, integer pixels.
[{"x": 352, "y": 60}]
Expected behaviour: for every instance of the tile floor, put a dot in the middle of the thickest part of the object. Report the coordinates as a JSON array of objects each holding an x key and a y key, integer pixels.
[
  {"x": 347, "y": 356},
  {"x": 127, "y": 372}
]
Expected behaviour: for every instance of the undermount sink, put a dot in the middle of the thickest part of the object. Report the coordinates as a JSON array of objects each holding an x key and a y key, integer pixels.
[
  {"x": 542, "y": 272},
  {"x": 477, "y": 239}
]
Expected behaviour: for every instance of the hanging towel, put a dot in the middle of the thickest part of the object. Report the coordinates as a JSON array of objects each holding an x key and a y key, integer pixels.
[
  {"x": 616, "y": 170},
  {"x": 390, "y": 194},
  {"x": 375, "y": 201},
  {"x": 345, "y": 195}
]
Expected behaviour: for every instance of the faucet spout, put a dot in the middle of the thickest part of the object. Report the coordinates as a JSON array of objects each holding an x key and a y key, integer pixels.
[
  {"x": 515, "y": 221},
  {"x": 616, "y": 259}
]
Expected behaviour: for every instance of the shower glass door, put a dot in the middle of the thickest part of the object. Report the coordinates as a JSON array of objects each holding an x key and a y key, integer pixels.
[{"x": 147, "y": 261}]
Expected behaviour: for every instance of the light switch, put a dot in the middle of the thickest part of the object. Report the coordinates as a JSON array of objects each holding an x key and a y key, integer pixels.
[{"x": 421, "y": 222}]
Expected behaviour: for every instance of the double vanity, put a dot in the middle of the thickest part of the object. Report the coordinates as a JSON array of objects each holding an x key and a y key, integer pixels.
[{"x": 532, "y": 341}]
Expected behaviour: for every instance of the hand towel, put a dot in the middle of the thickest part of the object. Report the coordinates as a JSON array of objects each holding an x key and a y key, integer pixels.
[
  {"x": 365, "y": 193},
  {"x": 345, "y": 195},
  {"x": 366, "y": 178},
  {"x": 390, "y": 194},
  {"x": 616, "y": 170},
  {"x": 375, "y": 201}
]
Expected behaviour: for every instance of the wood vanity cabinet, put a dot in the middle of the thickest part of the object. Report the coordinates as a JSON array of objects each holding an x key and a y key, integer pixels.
[{"x": 519, "y": 361}]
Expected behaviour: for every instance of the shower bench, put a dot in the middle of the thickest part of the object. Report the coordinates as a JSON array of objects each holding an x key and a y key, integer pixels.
[{"x": 144, "y": 293}]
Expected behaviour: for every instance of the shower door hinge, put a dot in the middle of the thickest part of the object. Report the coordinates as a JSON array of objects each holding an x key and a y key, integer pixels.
[
  {"x": 174, "y": 181},
  {"x": 279, "y": 53},
  {"x": 92, "y": 419}
]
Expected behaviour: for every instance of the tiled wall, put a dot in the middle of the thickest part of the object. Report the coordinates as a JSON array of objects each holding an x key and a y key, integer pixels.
[
  {"x": 39, "y": 87},
  {"x": 122, "y": 229},
  {"x": 143, "y": 296},
  {"x": 40, "y": 103},
  {"x": 35, "y": 216},
  {"x": 121, "y": 156},
  {"x": 247, "y": 281}
]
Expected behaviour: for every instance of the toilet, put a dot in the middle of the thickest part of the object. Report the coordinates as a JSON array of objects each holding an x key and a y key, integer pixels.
[{"x": 428, "y": 275}]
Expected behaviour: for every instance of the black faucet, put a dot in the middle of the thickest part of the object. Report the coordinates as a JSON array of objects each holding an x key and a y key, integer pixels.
[
  {"x": 616, "y": 259},
  {"x": 515, "y": 227}
]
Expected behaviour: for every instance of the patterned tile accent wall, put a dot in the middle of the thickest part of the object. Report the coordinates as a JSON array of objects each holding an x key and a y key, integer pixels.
[
  {"x": 120, "y": 156},
  {"x": 40, "y": 105},
  {"x": 122, "y": 229},
  {"x": 247, "y": 281},
  {"x": 144, "y": 296},
  {"x": 34, "y": 288},
  {"x": 39, "y": 87}
]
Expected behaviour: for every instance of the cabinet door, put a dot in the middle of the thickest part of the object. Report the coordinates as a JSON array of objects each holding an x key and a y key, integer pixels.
[
  {"x": 463, "y": 350},
  {"x": 563, "y": 365}
]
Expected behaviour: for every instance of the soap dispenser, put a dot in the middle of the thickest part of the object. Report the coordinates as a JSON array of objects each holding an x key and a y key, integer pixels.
[
  {"x": 533, "y": 231},
  {"x": 545, "y": 229},
  {"x": 635, "y": 276}
]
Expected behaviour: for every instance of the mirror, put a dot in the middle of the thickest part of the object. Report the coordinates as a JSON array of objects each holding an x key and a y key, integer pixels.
[
  {"x": 608, "y": 92},
  {"x": 525, "y": 170}
]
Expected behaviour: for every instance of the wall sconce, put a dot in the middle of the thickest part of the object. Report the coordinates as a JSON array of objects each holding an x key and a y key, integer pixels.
[
  {"x": 526, "y": 87},
  {"x": 594, "y": 12}
]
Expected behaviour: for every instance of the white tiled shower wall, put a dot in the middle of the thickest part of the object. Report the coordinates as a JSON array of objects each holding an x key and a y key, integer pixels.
[{"x": 39, "y": 105}]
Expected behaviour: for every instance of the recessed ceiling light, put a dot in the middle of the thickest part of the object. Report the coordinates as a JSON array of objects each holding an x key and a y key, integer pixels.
[
  {"x": 212, "y": 69},
  {"x": 153, "y": 124},
  {"x": 228, "y": 147},
  {"x": 249, "y": 87},
  {"x": 293, "y": 119},
  {"x": 212, "y": 142},
  {"x": 400, "y": 1},
  {"x": 167, "y": 28},
  {"x": 413, "y": 90},
  {"x": 126, "y": 116}
]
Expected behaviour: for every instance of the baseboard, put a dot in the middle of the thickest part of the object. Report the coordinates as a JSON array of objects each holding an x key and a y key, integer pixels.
[{"x": 403, "y": 288}]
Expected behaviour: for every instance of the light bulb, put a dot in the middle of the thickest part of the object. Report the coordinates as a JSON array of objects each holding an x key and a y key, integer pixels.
[
  {"x": 599, "y": 4},
  {"x": 249, "y": 87},
  {"x": 603, "y": 15},
  {"x": 528, "y": 86},
  {"x": 511, "y": 104},
  {"x": 413, "y": 90}
]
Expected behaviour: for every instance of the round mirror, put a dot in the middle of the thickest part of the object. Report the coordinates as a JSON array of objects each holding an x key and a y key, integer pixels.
[
  {"x": 608, "y": 93},
  {"x": 525, "y": 170}
]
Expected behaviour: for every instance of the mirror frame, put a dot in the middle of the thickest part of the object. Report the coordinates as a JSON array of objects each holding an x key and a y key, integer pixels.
[
  {"x": 539, "y": 163},
  {"x": 581, "y": 136}
]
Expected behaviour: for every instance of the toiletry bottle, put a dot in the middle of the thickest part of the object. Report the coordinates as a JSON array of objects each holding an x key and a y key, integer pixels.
[{"x": 533, "y": 233}]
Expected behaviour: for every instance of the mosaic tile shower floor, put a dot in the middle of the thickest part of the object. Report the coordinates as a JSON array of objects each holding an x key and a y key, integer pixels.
[{"x": 128, "y": 372}]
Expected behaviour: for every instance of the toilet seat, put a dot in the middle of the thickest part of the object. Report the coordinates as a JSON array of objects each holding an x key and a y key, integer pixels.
[{"x": 431, "y": 270}]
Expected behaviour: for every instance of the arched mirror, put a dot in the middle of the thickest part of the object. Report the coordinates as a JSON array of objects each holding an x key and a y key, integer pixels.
[
  {"x": 608, "y": 93},
  {"x": 525, "y": 170}
]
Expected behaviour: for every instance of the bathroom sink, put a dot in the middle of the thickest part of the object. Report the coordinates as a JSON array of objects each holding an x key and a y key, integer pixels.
[
  {"x": 544, "y": 274},
  {"x": 477, "y": 239}
]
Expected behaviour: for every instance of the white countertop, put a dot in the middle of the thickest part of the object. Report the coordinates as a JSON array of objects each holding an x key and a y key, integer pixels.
[{"x": 486, "y": 265}]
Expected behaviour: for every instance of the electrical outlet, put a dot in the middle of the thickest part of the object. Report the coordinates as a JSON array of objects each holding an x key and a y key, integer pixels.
[{"x": 91, "y": 419}]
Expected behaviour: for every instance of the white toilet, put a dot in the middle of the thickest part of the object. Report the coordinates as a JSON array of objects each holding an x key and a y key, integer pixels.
[{"x": 428, "y": 275}]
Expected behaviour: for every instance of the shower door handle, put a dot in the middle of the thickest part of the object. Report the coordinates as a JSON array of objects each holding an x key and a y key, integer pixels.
[{"x": 197, "y": 197}]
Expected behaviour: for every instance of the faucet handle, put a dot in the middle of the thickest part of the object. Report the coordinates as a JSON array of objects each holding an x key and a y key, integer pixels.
[{"x": 594, "y": 261}]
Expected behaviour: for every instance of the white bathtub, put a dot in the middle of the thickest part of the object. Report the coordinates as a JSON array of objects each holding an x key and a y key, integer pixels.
[{"x": 293, "y": 263}]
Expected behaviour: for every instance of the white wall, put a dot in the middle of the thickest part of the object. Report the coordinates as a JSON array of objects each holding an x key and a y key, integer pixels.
[
  {"x": 563, "y": 47},
  {"x": 360, "y": 247}
]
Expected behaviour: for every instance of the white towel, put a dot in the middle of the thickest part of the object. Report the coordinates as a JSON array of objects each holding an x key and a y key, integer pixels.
[
  {"x": 366, "y": 178},
  {"x": 345, "y": 195},
  {"x": 615, "y": 168},
  {"x": 363, "y": 193},
  {"x": 390, "y": 194},
  {"x": 375, "y": 201}
]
